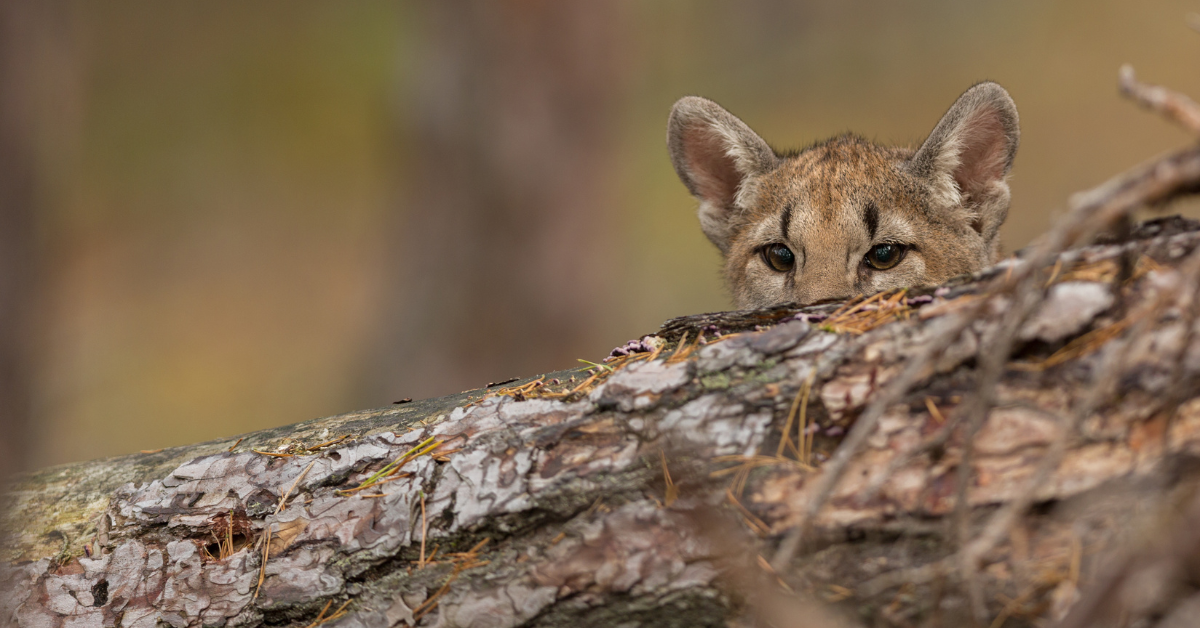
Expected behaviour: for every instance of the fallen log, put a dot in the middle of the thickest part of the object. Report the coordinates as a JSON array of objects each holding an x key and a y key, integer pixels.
[{"x": 1012, "y": 448}]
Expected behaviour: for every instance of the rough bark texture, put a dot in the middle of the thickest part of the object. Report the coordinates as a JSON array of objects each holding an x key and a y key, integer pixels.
[{"x": 647, "y": 496}]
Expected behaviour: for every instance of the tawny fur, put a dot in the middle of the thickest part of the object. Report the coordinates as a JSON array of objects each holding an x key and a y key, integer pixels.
[{"x": 944, "y": 202}]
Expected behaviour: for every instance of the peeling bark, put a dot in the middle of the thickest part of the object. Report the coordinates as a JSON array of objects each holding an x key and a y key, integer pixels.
[{"x": 646, "y": 496}]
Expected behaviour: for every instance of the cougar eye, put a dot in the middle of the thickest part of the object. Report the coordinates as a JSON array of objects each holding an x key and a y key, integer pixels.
[
  {"x": 885, "y": 256},
  {"x": 779, "y": 257}
]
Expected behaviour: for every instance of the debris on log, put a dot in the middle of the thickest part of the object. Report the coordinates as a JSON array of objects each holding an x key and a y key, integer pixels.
[{"x": 1016, "y": 448}]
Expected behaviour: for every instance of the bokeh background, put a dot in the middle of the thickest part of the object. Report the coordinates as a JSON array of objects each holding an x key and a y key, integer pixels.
[{"x": 225, "y": 216}]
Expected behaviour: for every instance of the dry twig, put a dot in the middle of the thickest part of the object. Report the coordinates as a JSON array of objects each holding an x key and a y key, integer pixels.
[
  {"x": 299, "y": 478},
  {"x": 936, "y": 441},
  {"x": 322, "y": 618},
  {"x": 265, "y": 539},
  {"x": 1169, "y": 103},
  {"x": 999, "y": 524}
]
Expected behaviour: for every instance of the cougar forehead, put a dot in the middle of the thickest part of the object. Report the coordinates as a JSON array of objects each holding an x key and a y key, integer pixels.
[{"x": 823, "y": 180}]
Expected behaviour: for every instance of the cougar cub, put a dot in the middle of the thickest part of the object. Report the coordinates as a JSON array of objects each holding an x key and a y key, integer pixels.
[{"x": 845, "y": 216}]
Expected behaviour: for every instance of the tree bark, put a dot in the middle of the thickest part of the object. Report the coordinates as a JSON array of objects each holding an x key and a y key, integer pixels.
[{"x": 659, "y": 488}]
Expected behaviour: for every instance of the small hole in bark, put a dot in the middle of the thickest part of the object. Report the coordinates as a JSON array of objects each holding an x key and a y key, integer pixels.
[
  {"x": 100, "y": 593},
  {"x": 223, "y": 548}
]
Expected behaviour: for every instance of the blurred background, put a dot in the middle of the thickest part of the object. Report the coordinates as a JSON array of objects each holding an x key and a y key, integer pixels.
[{"x": 222, "y": 217}]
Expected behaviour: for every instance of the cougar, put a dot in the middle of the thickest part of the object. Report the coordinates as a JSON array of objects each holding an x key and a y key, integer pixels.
[{"x": 845, "y": 216}]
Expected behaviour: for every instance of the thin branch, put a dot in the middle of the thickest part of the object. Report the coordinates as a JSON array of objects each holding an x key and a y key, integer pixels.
[
  {"x": 840, "y": 461},
  {"x": 993, "y": 357},
  {"x": 1101, "y": 389},
  {"x": 1000, "y": 523},
  {"x": 1091, "y": 213},
  {"x": 1171, "y": 104}
]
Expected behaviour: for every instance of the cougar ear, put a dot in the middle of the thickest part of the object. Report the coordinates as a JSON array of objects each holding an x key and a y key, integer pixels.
[
  {"x": 713, "y": 153},
  {"x": 967, "y": 157}
]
